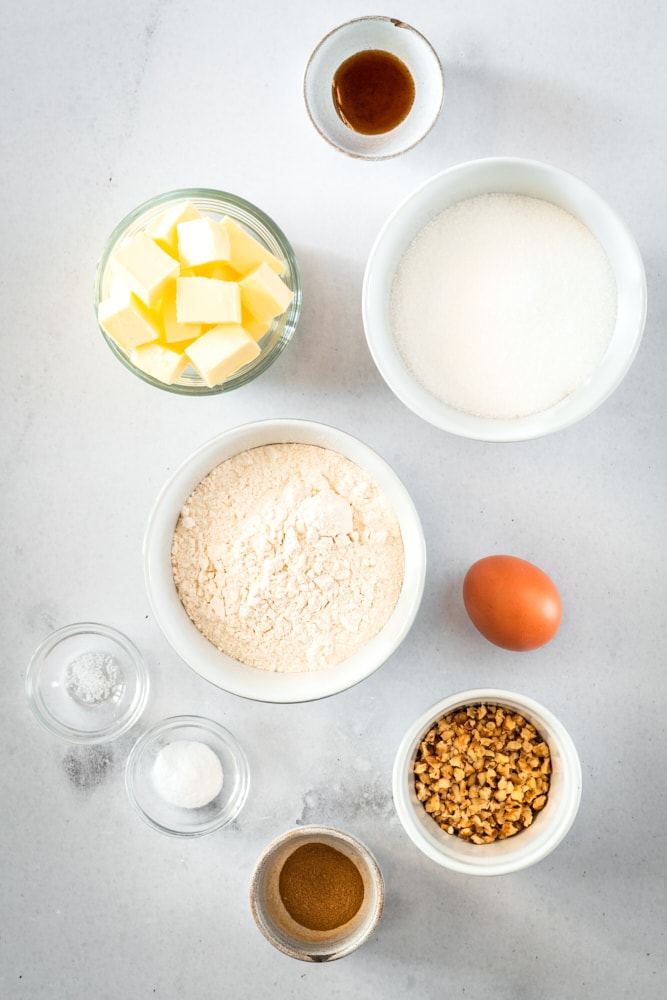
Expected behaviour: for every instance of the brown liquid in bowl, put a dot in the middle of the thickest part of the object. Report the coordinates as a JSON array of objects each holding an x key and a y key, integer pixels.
[{"x": 373, "y": 91}]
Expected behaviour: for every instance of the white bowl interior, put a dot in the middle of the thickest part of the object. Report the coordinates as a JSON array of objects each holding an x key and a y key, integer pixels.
[
  {"x": 502, "y": 856},
  {"x": 188, "y": 641},
  {"x": 510, "y": 176},
  {"x": 391, "y": 36}
]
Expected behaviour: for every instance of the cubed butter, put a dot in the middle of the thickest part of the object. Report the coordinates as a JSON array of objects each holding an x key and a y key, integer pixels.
[
  {"x": 163, "y": 229},
  {"x": 264, "y": 293},
  {"x": 207, "y": 300},
  {"x": 173, "y": 330},
  {"x": 128, "y": 321},
  {"x": 247, "y": 253},
  {"x": 144, "y": 267},
  {"x": 223, "y": 272},
  {"x": 202, "y": 241},
  {"x": 220, "y": 352},
  {"x": 162, "y": 363},
  {"x": 255, "y": 328}
]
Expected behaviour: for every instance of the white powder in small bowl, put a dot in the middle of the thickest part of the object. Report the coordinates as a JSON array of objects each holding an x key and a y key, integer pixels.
[
  {"x": 503, "y": 305},
  {"x": 92, "y": 678},
  {"x": 188, "y": 774}
]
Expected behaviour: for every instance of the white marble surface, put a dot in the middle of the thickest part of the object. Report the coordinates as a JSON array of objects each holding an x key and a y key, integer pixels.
[{"x": 103, "y": 105}]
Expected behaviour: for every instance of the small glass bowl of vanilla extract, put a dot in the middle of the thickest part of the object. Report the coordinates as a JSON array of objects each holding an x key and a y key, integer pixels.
[{"x": 374, "y": 87}]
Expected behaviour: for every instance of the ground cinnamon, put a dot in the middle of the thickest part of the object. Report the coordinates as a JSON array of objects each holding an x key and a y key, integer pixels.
[{"x": 320, "y": 887}]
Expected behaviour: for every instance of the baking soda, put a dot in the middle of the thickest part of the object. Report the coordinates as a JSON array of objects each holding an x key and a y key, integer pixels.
[
  {"x": 503, "y": 305},
  {"x": 188, "y": 774}
]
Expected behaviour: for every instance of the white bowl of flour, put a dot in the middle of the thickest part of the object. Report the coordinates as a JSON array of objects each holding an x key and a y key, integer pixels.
[
  {"x": 284, "y": 561},
  {"x": 504, "y": 300}
]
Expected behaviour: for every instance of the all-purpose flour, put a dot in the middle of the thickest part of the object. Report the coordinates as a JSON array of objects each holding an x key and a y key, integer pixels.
[
  {"x": 288, "y": 557},
  {"x": 503, "y": 305}
]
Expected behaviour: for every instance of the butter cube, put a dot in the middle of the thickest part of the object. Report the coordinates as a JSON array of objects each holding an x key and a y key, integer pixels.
[
  {"x": 221, "y": 351},
  {"x": 163, "y": 229},
  {"x": 247, "y": 253},
  {"x": 253, "y": 327},
  {"x": 207, "y": 300},
  {"x": 172, "y": 329},
  {"x": 202, "y": 241},
  {"x": 143, "y": 267},
  {"x": 264, "y": 294},
  {"x": 219, "y": 270},
  {"x": 128, "y": 321},
  {"x": 162, "y": 363}
]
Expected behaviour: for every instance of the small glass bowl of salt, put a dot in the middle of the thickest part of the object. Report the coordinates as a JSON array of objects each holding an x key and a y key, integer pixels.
[
  {"x": 87, "y": 683},
  {"x": 187, "y": 776}
]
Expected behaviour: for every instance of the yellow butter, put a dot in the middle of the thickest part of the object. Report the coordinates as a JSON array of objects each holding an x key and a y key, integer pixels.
[
  {"x": 207, "y": 300},
  {"x": 173, "y": 330},
  {"x": 219, "y": 270},
  {"x": 264, "y": 293},
  {"x": 143, "y": 267},
  {"x": 221, "y": 351},
  {"x": 255, "y": 328},
  {"x": 163, "y": 229},
  {"x": 128, "y": 321},
  {"x": 162, "y": 363},
  {"x": 247, "y": 253},
  {"x": 202, "y": 241}
]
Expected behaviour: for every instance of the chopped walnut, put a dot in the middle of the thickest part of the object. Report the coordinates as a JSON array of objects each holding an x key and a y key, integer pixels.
[{"x": 482, "y": 773}]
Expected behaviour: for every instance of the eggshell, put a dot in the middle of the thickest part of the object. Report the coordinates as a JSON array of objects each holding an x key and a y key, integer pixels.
[{"x": 511, "y": 602}]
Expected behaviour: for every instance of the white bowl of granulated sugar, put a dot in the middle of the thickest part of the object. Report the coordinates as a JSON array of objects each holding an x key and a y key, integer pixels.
[
  {"x": 284, "y": 561},
  {"x": 504, "y": 300}
]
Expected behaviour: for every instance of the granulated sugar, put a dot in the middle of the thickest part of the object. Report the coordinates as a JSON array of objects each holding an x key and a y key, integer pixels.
[
  {"x": 503, "y": 305},
  {"x": 288, "y": 557}
]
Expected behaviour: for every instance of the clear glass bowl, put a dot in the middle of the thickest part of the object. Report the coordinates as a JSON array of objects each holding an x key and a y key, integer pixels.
[
  {"x": 174, "y": 820},
  {"x": 64, "y": 706},
  {"x": 215, "y": 204}
]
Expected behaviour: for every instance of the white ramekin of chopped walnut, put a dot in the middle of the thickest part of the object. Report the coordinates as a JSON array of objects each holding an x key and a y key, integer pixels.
[{"x": 487, "y": 782}]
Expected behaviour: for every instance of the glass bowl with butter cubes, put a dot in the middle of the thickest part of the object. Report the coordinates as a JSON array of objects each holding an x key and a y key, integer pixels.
[{"x": 197, "y": 291}]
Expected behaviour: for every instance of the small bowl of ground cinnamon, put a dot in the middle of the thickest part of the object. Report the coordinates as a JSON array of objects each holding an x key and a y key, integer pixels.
[{"x": 317, "y": 894}]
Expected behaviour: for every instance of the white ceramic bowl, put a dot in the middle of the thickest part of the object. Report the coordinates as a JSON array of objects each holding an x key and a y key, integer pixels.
[
  {"x": 275, "y": 922},
  {"x": 188, "y": 641},
  {"x": 502, "y": 856},
  {"x": 513, "y": 176},
  {"x": 399, "y": 39}
]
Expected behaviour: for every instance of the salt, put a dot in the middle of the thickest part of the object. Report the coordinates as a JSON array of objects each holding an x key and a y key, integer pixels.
[
  {"x": 187, "y": 774},
  {"x": 503, "y": 305},
  {"x": 92, "y": 678}
]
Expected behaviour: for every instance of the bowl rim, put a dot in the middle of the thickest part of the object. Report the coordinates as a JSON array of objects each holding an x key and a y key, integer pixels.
[
  {"x": 182, "y": 635},
  {"x": 310, "y": 833},
  {"x": 564, "y": 189},
  {"x": 291, "y": 315},
  {"x": 51, "y": 722},
  {"x": 174, "y": 723},
  {"x": 346, "y": 26},
  {"x": 521, "y": 857}
]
